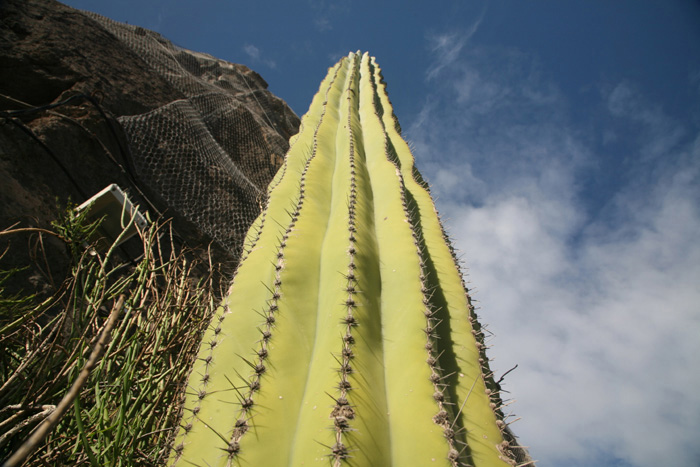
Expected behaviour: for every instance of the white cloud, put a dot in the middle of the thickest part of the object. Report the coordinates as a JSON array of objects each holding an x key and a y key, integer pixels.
[
  {"x": 325, "y": 11},
  {"x": 323, "y": 24},
  {"x": 447, "y": 46},
  {"x": 598, "y": 307},
  {"x": 660, "y": 133},
  {"x": 256, "y": 55},
  {"x": 252, "y": 51}
]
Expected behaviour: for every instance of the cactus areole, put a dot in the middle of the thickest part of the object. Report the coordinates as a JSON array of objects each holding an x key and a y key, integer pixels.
[{"x": 347, "y": 336}]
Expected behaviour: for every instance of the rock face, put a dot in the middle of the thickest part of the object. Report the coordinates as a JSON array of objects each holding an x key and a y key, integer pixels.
[{"x": 87, "y": 102}]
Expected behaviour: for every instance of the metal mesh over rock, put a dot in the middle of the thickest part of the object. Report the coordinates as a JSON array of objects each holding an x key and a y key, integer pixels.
[{"x": 210, "y": 154}]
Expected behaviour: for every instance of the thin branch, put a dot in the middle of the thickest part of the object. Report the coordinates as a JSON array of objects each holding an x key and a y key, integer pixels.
[{"x": 52, "y": 420}]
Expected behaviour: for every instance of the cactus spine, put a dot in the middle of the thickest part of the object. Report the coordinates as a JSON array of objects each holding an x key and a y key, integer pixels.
[{"x": 347, "y": 335}]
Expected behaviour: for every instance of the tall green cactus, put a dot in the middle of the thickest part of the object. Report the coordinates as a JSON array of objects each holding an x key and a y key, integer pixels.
[{"x": 347, "y": 335}]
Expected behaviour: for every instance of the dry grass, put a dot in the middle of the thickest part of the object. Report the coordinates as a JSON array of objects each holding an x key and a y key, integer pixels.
[{"x": 124, "y": 408}]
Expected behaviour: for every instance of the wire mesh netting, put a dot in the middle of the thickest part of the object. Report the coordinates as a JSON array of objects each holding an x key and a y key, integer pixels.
[
  {"x": 198, "y": 139},
  {"x": 210, "y": 154}
]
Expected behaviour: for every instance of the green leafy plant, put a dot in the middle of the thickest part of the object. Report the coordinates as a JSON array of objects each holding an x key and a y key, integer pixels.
[
  {"x": 75, "y": 229},
  {"x": 348, "y": 335}
]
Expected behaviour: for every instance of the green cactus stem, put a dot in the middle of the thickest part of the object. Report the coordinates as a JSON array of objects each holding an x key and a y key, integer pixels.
[{"x": 347, "y": 336}]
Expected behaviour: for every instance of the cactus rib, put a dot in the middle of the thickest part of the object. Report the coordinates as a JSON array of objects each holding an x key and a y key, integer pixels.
[{"x": 347, "y": 336}]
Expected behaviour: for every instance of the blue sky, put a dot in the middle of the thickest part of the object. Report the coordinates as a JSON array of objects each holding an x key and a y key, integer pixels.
[{"x": 562, "y": 141}]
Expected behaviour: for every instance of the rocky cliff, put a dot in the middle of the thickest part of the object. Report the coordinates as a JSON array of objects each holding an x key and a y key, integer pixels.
[{"x": 87, "y": 102}]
